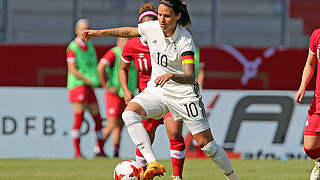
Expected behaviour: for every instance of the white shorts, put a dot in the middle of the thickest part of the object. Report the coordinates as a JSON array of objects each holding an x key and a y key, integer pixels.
[{"x": 184, "y": 103}]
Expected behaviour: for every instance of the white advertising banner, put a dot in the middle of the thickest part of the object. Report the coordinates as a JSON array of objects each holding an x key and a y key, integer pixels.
[{"x": 36, "y": 123}]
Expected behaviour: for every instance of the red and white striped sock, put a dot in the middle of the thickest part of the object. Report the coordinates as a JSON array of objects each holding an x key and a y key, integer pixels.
[
  {"x": 140, "y": 159},
  {"x": 177, "y": 153},
  {"x": 75, "y": 133},
  {"x": 100, "y": 143}
]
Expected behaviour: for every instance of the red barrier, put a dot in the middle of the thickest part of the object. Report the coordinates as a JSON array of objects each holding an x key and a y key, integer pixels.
[
  {"x": 271, "y": 68},
  {"x": 35, "y": 65},
  {"x": 227, "y": 67}
]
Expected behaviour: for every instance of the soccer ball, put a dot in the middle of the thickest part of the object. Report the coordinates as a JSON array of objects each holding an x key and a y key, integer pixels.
[{"x": 128, "y": 170}]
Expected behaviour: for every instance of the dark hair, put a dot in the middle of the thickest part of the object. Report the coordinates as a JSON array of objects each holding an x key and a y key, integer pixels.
[
  {"x": 178, "y": 7},
  {"x": 147, "y": 7}
]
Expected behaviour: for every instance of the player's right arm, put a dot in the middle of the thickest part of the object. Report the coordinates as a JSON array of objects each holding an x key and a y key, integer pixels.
[
  {"x": 72, "y": 68},
  {"x": 309, "y": 67},
  {"x": 306, "y": 77},
  {"x": 101, "y": 74},
  {"x": 124, "y": 32},
  {"x": 123, "y": 79},
  {"x": 125, "y": 64},
  {"x": 108, "y": 59}
]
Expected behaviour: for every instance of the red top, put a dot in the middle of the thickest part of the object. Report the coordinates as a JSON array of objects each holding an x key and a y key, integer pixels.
[
  {"x": 138, "y": 51},
  {"x": 109, "y": 58},
  {"x": 314, "y": 48}
]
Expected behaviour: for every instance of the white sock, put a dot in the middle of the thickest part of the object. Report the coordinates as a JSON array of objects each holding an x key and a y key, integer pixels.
[
  {"x": 138, "y": 134},
  {"x": 141, "y": 161},
  {"x": 220, "y": 159},
  {"x": 96, "y": 149}
]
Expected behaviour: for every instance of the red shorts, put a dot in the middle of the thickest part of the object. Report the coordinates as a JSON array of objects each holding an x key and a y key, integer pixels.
[
  {"x": 115, "y": 105},
  {"x": 150, "y": 124},
  {"x": 312, "y": 125},
  {"x": 83, "y": 94},
  {"x": 169, "y": 115}
]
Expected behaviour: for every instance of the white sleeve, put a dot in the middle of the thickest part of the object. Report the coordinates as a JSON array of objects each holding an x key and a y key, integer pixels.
[
  {"x": 141, "y": 31},
  {"x": 144, "y": 28},
  {"x": 188, "y": 46}
]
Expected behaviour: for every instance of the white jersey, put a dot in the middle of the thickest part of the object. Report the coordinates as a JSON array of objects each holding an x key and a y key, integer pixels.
[{"x": 166, "y": 52}]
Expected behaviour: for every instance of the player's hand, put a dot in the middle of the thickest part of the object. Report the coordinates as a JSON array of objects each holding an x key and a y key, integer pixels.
[
  {"x": 113, "y": 90},
  {"x": 128, "y": 95},
  {"x": 87, "y": 34},
  {"x": 87, "y": 82},
  {"x": 161, "y": 80},
  {"x": 299, "y": 95}
]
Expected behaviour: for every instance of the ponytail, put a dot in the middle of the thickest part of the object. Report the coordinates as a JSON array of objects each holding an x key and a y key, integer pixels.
[{"x": 178, "y": 7}]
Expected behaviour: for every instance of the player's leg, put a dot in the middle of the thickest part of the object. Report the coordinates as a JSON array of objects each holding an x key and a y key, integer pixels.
[
  {"x": 93, "y": 107},
  {"x": 312, "y": 143},
  {"x": 78, "y": 111},
  {"x": 139, "y": 157},
  {"x": 177, "y": 146},
  {"x": 144, "y": 105},
  {"x": 95, "y": 113},
  {"x": 116, "y": 136},
  {"x": 112, "y": 112},
  {"x": 77, "y": 98},
  {"x": 191, "y": 110},
  {"x": 116, "y": 132},
  {"x": 312, "y": 149},
  {"x": 216, "y": 152}
]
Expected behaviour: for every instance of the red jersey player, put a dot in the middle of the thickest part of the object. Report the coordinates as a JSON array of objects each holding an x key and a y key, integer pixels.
[
  {"x": 312, "y": 125},
  {"x": 137, "y": 51}
]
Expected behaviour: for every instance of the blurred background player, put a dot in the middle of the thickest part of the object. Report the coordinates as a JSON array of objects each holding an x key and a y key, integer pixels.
[
  {"x": 138, "y": 51},
  {"x": 82, "y": 77},
  {"x": 312, "y": 126},
  {"x": 108, "y": 69}
]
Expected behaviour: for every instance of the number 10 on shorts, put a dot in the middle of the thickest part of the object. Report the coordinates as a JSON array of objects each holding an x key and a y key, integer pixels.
[{"x": 192, "y": 109}]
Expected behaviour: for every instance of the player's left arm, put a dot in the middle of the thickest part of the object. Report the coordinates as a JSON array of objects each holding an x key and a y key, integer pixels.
[
  {"x": 188, "y": 76},
  {"x": 124, "y": 32}
]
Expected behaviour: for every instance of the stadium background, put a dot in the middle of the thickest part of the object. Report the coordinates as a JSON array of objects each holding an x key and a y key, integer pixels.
[{"x": 247, "y": 46}]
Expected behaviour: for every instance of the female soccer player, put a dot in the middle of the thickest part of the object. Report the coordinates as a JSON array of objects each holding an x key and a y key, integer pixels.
[
  {"x": 108, "y": 69},
  {"x": 82, "y": 77},
  {"x": 312, "y": 127},
  {"x": 138, "y": 51},
  {"x": 172, "y": 86}
]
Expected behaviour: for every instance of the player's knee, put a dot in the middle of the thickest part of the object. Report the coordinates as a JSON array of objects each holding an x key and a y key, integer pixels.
[
  {"x": 211, "y": 148},
  {"x": 312, "y": 153},
  {"x": 131, "y": 117}
]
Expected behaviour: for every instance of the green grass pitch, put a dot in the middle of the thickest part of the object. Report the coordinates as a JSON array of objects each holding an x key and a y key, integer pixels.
[{"x": 194, "y": 169}]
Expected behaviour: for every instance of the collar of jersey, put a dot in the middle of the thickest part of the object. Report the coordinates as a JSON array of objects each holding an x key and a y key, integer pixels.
[
  {"x": 175, "y": 35},
  {"x": 80, "y": 42},
  {"x": 142, "y": 42}
]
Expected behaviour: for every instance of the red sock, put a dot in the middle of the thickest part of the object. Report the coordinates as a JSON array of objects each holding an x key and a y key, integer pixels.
[
  {"x": 177, "y": 153},
  {"x": 76, "y": 144},
  {"x": 98, "y": 121},
  {"x": 78, "y": 118},
  {"x": 140, "y": 159},
  {"x": 116, "y": 148}
]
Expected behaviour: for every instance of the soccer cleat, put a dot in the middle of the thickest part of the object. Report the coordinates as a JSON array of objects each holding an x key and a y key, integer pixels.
[
  {"x": 79, "y": 156},
  {"x": 154, "y": 169},
  {"x": 176, "y": 178},
  {"x": 101, "y": 155},
  {"x": 315, "y": 174},
  {"x": 231, "y": 176}
]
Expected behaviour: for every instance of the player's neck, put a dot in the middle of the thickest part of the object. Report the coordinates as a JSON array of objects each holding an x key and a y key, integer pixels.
[{"x": 169, "y": 32}]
